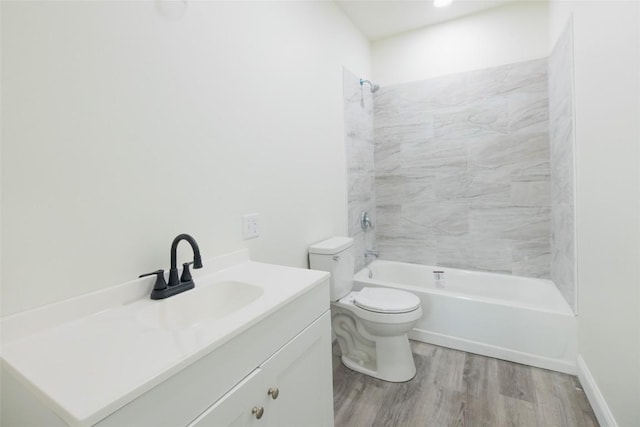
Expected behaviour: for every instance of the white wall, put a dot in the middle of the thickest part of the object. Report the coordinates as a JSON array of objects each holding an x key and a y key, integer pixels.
[
  {"x": 607, "y": 111},
  {"x": 127, "y": 123},
  {"x": 511, "y": 33}
]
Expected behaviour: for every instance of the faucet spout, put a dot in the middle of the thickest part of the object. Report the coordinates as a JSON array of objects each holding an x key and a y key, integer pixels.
[
  {"x": 197, "y": 259},
  {"x": 162, "y": 289}
]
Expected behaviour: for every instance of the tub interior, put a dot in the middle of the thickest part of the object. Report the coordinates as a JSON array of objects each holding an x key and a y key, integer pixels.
[{"x": 527, "y": 292}]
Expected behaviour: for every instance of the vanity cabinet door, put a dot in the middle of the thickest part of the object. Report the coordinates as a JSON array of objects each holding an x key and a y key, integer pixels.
[
  {"x": 301, "y": 375},
  {"x": 293, "y": 388},
  {"x": 236, "y": 408}
]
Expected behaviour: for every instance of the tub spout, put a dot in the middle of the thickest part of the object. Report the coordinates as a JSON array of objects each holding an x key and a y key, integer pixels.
[{"x": 368, "y": 253}]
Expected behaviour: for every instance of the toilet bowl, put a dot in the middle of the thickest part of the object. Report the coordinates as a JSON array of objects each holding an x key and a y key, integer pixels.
[
  {"x": 370, "y": 325},
  {"x": 375, "y": 343}
]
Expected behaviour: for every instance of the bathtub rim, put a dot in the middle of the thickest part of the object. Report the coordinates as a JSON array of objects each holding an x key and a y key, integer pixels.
[{"x": 361, "y": 277}]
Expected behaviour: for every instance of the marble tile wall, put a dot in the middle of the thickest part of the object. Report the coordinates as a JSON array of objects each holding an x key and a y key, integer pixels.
[
  {"x": 561, "y": 127},
  {"x": 358, "y": 112},
  {"x": 462, "y": 170}
]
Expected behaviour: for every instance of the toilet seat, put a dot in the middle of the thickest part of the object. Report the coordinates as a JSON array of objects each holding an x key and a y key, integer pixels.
[{"x": 385, "y": 300}]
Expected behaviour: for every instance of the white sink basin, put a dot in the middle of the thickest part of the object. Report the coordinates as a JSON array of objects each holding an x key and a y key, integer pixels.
[{"x": 200, "y": 305}]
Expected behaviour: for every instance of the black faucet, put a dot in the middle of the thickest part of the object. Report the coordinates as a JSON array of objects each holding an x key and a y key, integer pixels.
[{"x": 175, "y": 286}]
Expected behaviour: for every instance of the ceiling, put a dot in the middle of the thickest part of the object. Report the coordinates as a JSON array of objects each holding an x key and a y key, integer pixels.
[{"x": 378, "y": 19}]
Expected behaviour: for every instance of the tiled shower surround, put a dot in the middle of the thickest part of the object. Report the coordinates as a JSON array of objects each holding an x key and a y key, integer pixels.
[
  {"x": 358, "y": 107},
  {"x": 562, "y": 166},
  {"x": 462, "y": 171},
  {"x": 472, "y": 170}
]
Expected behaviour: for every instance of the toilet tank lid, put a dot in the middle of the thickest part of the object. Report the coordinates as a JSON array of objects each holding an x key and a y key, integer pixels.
[{"x": 331, "y": 246}]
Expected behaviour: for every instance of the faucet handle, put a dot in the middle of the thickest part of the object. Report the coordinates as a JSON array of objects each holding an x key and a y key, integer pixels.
[
  {"x": 186, "y": 274},
  {"x": 160, "y": 282}
]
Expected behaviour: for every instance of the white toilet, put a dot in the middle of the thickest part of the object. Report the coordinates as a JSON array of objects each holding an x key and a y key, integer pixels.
[{"x": 371, "y": 324}]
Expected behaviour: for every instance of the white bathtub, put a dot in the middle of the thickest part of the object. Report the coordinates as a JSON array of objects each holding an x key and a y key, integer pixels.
[{"x": 513, "y": 318}]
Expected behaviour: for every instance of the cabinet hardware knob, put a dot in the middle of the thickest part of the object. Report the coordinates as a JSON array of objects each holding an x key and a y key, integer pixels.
[
  {"x": 258, "y": 411},
  {"x": 273, "y": 392}
]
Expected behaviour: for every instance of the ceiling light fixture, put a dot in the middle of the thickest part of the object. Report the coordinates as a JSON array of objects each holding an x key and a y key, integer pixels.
[{"x": 442, "y": 3}]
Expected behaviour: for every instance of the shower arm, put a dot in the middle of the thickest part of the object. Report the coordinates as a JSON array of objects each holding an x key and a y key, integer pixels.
[{"x": 374, "y": 87}]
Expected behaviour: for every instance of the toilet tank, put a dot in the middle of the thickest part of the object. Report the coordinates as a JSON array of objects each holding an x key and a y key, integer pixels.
[{"x": 334, "y": 255}]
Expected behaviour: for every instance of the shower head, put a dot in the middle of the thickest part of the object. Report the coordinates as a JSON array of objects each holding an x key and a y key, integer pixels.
[{"x": 374, "y": 87}]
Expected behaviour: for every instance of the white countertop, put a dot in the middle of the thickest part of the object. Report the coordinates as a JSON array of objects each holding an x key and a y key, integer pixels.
[{"x": 89, "y": 356}]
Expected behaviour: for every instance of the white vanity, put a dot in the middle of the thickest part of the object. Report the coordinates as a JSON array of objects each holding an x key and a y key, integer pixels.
[{"x": 250, "y": 345}]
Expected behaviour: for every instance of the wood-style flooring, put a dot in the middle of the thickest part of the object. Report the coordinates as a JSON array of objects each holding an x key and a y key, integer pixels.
[{"x": 454, "y": 388}]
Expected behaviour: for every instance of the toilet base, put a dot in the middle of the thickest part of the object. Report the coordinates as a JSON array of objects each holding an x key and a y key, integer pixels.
[
  {"x": 387, "y": 357},
  {"x": 394, "y": 360}
]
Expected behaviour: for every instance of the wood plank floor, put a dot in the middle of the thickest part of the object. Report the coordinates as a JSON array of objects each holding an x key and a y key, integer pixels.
[{"x": 454, "y": 388}]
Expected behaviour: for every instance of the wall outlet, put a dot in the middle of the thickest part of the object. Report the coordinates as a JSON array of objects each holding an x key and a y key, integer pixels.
[{"x": 250, "y": 228}]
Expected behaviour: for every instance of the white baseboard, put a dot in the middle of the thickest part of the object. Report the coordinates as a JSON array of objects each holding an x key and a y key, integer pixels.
[{"x": 596, "y": 399}]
